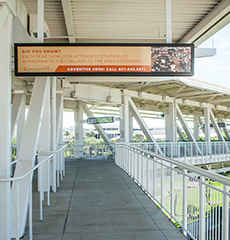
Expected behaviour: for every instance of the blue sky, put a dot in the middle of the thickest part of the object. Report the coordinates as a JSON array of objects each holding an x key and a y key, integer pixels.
[{"x": 216, "y": 69}]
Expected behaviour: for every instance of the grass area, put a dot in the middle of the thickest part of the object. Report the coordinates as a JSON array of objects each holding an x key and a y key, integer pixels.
[{"x": 213, "y": 198}]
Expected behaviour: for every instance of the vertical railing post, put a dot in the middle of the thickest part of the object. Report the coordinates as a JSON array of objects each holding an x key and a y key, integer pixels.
[
  {"x": 202, "y": 209},
  {"x": 48, "y": 182},
  {"x": 41, "y": 191},
  {"x": 225, "y": 214},
  {"x": 162, "y": 185},
  {"x": 154, "y": 178},
  {"x": 17, "y": 210},
  {"x": 61, "y": 167},
  {"x": 185, "y": 202},
  {"x": 58, "y": 168},
  {"x": 147, "y": 173},
  {"x": 172, "y": 192},
  {"x": 30, "y": 208},
  {"x": 185, "y": 152}
]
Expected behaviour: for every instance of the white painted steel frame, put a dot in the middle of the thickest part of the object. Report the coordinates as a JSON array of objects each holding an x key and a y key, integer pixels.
[
  {"x": 124, "y": 119},
  {"x": 21, "y": 121},
  {"x": 45, "y": 139},
  {"x": 27, "y": 151},
  {"x": 97, "y": 126},
  {"x": 184, "y": 151},
  {"x": 206, "y": 216},
  {"x": 5, "y": 121},
  {"x": 17, "y": 180},
  {"x": 55, "y": 174},
  {"x": 78, "y": 118},
  {"x": 15, "y": 111}
]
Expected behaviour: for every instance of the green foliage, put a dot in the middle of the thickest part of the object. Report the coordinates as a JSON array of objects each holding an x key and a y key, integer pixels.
[
  {"x": 138, "y": 137},
  {"x": 89, "y": 134},
  {"x": 69, "y": 150},
  {"x": 201, "y": 139},
  {"x": 14, "y": 148},
  {"x": 67, "y": 133}
]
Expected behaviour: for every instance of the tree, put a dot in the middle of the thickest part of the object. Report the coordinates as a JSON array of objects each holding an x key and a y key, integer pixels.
[
  {"x": 139, "y": 137},
  {"x": 89, "y": 134},
  {"x": 67, "y": 133}
]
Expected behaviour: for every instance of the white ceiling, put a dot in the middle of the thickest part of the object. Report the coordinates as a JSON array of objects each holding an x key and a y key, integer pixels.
[{"x": 130, "y": 20}]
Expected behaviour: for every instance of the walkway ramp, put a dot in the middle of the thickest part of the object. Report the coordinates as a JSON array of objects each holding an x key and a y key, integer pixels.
[{"x": 98, "y": 200}]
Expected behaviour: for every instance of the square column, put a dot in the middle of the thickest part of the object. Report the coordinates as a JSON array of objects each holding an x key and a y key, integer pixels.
[
  {"x": 170, "y": 124},
  {"x": 78, "y": 117},
  {"x": 207, "y": 125},
  {"x": 196, "y": 127},
  {"x": 124, "y": 120},
  {"x": 130, "y": 127}
]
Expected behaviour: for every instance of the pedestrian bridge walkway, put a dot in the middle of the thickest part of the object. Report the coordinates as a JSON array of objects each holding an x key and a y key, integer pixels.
[{"x": 98, "y": 200}]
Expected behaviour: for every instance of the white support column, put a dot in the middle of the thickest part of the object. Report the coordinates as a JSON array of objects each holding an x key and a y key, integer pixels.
[
  {"x": 207, "y": 130},
  {"x": 168, "y": 21},
  {"x": 167, "y": 131},
  {"x": 207, "y": 124},
  {"x": 130, "y": 127},
  {"x": 21, "y": 121},
  {"x": 196, "y": 128},
  {"x": 186, "y": 128},
  {"x": 44, "y": 139},
  {"x": 216, "y": 127},
  {"x": 142, "y": 124},
  {"x": 54, "y": 134},
  {"x": 59, "y": 125},
  {"x": 97, "y": 126},
  {"x": 182, "y": 137},
  {"x": 78, "y": 117},
  {"x": 27, "y": 153},
  {"x": 225, "y": 129},
  {"x": 171, "y": 131},
  {"x": 201, "y": 123},
  {"x": 5, "y": 128},
  {"x": 59, "y": 117},
  {"x": 15, "y": 110},
  {"x": 40, "y": 22},
  {"x": 124, "y": 120}
]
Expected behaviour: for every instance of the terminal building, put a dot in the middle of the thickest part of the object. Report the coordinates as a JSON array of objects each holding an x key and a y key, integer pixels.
[{"x": 131, "y": 59}]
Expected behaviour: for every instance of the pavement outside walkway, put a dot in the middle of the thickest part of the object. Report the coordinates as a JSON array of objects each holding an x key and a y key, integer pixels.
[{"x": 98, "y": 201}]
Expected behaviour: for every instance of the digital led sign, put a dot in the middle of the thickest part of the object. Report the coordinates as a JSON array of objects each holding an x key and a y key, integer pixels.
[{"x": 104, "y": 59}]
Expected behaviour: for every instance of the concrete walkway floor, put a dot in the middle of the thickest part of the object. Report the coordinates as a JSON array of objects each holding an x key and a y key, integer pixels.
[{"x": 97, "y": 200}]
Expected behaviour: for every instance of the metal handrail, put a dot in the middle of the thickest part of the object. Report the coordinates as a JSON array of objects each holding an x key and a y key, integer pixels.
[
  {"x": 187, "y": 151},
  {"x": 28, "y": 173},
  {"x": 17, "y": 179},
  {"x": 199, "y": 171},
  {"x": 205, "y": 208}
]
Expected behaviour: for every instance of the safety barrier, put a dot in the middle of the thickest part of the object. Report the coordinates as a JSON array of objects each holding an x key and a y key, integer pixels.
[
  {"x": 196, "y": 200},
  {"x": 93, "y": 150},
  {"x": 188, "y": 151},
  {"x": 54, "y": 156}
]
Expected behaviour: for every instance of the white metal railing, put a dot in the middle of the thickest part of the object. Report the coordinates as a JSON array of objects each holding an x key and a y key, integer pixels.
[
  {"x": 93, "y": 150},
  {"x": 188, "y": 152},
  {"x": 194, "y": 199},
  {"x": 60, "y": 171}
]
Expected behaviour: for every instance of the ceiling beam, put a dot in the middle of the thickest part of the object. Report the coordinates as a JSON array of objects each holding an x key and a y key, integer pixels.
[
  {"x": 188, "y": 94},
  {"x": 66, "y": 5},
  {"x": 210, "y": 24}
]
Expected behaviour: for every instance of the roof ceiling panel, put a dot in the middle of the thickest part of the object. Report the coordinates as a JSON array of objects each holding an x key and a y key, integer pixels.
[{"x": 121, "y": 19}]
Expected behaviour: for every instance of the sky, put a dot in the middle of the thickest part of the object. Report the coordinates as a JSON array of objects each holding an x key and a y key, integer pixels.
[{"x": 214, "y": 69}]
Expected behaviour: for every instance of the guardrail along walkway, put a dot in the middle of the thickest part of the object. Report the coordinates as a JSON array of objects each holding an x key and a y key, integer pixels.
[{"x": 98, "y": 200}]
